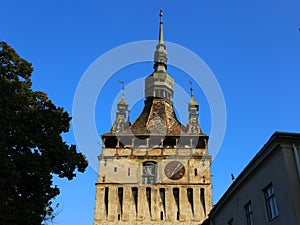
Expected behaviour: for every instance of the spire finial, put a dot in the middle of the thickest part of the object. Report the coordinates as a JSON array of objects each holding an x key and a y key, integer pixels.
[
  {"x": 123, "y": 87},
  {"x": 161, "y": 33},
  {"x": 160, "y": 55},
  {"x": 191, "y": 88},
  {"x": 122, "y": 100}
]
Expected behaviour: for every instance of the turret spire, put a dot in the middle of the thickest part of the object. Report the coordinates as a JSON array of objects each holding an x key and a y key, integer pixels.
[
  {"x": 193, "y": 103},
  {"x": 160, "y": 55},
  {"x": 120, "y": 124},
  {"x": 122, "y": 100}
]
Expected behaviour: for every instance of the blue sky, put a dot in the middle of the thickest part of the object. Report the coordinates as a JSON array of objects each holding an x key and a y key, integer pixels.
[{"x": 252, "y": 47}]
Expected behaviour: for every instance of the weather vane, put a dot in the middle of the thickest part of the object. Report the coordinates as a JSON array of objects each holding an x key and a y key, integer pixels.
[
  {"x": 191, "y": 88},
  {"x": 122, "y": 82}
]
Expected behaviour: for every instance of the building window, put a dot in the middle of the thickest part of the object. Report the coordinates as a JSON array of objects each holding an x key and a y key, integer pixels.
[
  {"x": 271, "y": 202},
  {"x": 249, "y": 213},
  {"x": 162, "y": 192},
  {"x": 190, "y": 197},
  {"x": 202, "y": 200},
  {"x": 135, "y": 195},
  {"x": 176, "y": 197},
  {"x": 115, "y": 169},
  {"x": 148, "y": 196},
  {"x": 106, "y": 199},
  {"x": 149, "y": 172}
]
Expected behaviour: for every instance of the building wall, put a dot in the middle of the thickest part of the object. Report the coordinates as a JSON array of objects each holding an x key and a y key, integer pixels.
[
  {"x": 293, "y": 174},
  {"x": 276, "y": 166},
  {"x": 128, "y": 169},
  {"x": 153, "y": 210},
  {"x": 121, "y": 175}
]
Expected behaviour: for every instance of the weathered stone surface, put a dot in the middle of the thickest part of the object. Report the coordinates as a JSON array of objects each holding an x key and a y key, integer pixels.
[{"x": 154, "y": 171}]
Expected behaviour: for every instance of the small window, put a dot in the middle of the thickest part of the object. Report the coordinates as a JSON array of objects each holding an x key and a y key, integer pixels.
[
  {"x": 106, "y": 199},
  {"x": 271, "y": 202},
  {"x": 249, "y": 213},
  {"x": 190, "y": 197},
  {"x": 195, "y": 172},
  {"x": 115, "y": 169},
  {"x": 176, "y": 197},
  {"x": 135, "y": 195},
  {"x": 161, "y": 215},
  {"x": 202, "y": 199},
  {"x": 128, "y": 172},
  {"x": 162, "y": 192}
]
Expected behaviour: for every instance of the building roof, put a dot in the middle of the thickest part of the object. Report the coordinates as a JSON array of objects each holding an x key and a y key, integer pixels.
[{"x": 158, "y": 117}]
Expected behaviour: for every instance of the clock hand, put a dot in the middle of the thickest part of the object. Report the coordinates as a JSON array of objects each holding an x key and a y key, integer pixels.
[{"x": 176, "y": 169}]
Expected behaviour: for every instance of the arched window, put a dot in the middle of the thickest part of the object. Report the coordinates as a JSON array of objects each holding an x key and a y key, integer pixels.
[{"x": 149, "y": 172}]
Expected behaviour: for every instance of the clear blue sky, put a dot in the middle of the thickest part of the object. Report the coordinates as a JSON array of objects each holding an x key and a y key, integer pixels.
[{"x": 252, "y": 47}]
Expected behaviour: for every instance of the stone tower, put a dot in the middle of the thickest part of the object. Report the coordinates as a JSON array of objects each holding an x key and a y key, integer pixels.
[{"x": 156, "y": 170}]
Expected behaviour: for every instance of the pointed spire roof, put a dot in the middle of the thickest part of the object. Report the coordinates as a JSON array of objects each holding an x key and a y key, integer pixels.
[
  {"x": 122, "y": 100},
  {"x": 193, "y": 101},
  {"x": 160, "y": 55}
]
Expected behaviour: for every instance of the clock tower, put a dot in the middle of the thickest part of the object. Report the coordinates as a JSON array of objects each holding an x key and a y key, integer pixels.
[{"x": 155, "y": 170}]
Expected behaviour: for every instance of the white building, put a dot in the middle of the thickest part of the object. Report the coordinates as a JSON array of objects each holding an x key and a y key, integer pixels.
[{"x": 268, "y": 189}]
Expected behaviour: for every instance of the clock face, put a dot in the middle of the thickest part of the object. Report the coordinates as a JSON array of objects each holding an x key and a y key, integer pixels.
[
  {"x": 174, "y": 170},
  {"x": 157, "y": 125}
]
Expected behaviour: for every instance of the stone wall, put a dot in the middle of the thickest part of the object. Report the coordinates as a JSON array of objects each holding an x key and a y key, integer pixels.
[{"x": 152, "y": 204}]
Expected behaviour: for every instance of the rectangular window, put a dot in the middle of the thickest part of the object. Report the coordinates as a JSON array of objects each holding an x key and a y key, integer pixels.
[
  {"x": 176, "y": 197},
  {"x": 271, "y": 202},
  {"x": 202, "y": 199},
  {"x": 249, "y": 213},
  {"x": 148, "y": 196},
  {"x": 106, "y": 199},
  {"x": 190, "y": 197},
  {"x": 162, "y": 192},
  {"x": 120, "y": 196},
  {"x": 135, "y": 195},
  {"x": 149, "y": 172}
]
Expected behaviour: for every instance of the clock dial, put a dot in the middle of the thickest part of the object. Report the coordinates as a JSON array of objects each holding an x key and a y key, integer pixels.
[
  {"x": 174, "y": 170},
  {"x": 157, "y": 125}
]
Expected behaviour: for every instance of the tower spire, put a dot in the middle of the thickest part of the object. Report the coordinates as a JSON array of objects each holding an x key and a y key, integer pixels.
[
  {"x": 160, "y": 55},
  {"x": 161, "y": 32}
]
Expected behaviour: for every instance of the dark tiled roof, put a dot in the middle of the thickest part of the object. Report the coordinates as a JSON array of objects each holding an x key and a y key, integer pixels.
[{"x": 157, "y": 117}]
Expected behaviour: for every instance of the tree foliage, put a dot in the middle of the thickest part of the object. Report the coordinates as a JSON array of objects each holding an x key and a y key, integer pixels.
[{"x": 31, "y": 146}]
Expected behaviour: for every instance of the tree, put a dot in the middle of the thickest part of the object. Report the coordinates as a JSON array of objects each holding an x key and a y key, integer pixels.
[{"x": 31, "y": 147}]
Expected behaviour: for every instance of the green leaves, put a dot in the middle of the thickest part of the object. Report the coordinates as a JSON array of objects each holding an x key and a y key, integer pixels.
[{"x": 31, "y": 146}]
